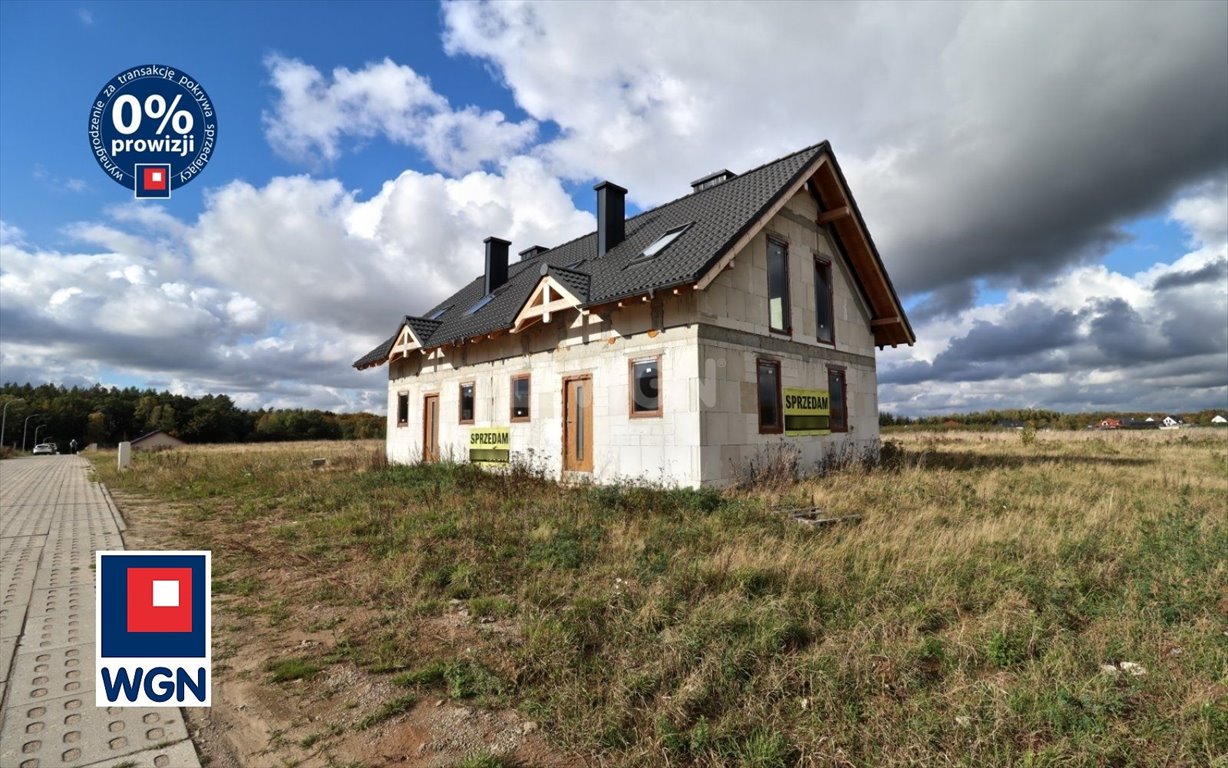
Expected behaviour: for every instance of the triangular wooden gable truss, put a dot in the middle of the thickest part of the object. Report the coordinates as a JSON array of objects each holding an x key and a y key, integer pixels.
[{"x": 547, "y": 299}]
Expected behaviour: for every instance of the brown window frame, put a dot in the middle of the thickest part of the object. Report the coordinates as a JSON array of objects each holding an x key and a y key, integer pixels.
[
  {"x": 780, "y": 416},
  {"x": 838, "y": 372},
  {"x": 512, "y": 399},
  {"x": 460, "y": 402},
  {"x": 660, "y": 409},
  {"x": 824, "y": 265},
  {"x": 402, "y": 397},
  {"x": 786, "y": 309}
]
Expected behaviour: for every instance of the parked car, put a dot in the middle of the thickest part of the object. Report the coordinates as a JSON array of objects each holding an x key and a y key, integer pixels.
[{"x": 45, "y": 449}]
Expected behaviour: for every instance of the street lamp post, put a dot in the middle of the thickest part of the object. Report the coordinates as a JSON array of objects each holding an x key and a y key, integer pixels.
[
  {"x": 23, "y": 430},
  {"x": 36, "y": 429},
  {"x": 4, "y": 421}
]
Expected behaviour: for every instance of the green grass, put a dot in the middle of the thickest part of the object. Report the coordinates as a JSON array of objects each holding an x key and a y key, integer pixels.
[
  {"x": 963, "y": 621},
  {"x": 388, "y": 710},
  {"x": 484, "y": 760},
  {"x": 284, "y": 670}
]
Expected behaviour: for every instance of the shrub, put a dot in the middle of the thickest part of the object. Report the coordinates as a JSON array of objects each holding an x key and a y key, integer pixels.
[{"x": 1027, "y": 435}]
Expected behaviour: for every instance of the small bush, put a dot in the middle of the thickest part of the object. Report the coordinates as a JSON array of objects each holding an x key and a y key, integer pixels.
[
  {"x": 1027, "y": 435},
  {"x": 774, "y": 467}
]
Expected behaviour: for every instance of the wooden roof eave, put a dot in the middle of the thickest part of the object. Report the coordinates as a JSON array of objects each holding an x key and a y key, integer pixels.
[{"x": 840, "y": 214}]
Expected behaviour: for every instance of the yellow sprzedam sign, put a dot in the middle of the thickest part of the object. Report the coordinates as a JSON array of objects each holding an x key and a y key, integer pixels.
[
  {"x": 490, "y": 444},
  {"x": 807, "y": 412}
]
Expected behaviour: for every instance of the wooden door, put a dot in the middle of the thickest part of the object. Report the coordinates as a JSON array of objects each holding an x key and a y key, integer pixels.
[
  {"x": 430, "y": 428},
  {"x": 578, "y": 424}
]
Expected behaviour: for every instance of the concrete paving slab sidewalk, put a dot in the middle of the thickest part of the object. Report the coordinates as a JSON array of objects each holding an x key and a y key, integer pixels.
[{"x": 52, "y": 520}]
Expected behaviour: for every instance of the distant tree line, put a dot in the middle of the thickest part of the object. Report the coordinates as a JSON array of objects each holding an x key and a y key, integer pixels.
[
  {"x": 1033, "y": 417},
  {"x": 111, "y": 415}
]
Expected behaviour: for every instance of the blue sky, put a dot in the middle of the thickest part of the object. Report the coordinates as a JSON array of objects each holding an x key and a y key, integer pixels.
[
  {"x": 56, "y": 57},
  {"x": 373, "y": 145}
]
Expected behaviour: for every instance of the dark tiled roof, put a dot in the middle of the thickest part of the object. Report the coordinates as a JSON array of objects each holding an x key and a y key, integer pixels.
[
  {"x": 422, "y": 327},
  {"x": 717, "y": 216},
  {"x": 377, "y": 355},
  {"x": 579, "y": 283}
]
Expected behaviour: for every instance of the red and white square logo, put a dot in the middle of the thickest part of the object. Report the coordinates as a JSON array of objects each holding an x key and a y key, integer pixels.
[
  {"x": 155, "y": 178},
  {"x": 159, "y": 599}
]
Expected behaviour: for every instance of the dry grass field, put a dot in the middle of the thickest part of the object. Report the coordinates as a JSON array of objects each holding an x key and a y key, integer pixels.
[{"x": 1057, "y": 602}]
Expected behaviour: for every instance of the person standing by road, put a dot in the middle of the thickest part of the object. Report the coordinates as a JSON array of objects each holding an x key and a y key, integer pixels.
[{"x": 72, "y": 445}]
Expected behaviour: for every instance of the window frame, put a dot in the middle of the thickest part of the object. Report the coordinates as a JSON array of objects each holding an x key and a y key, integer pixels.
[
  {"x": 460, "y": 402},
  {"x": 823, "y": 265},
  {"x": 631, "y": 390},
  {"x": 786, "y": 309},
  {"x": 838, "y": 372},
  {"x": 528, "y": 377},
  {"x": 402, "y": 397},
  {"x": 779, "y": 428}
]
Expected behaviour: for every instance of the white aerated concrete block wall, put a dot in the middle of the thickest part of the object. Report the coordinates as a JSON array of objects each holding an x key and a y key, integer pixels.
[
  {"x": 730, "y": 413},
  {"x": 663, "y": 449}
]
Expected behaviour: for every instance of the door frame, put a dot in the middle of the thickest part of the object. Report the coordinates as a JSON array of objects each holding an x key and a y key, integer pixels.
[
  {"x": 588, "y": 464},
  {"x": 426, "y": 425}
]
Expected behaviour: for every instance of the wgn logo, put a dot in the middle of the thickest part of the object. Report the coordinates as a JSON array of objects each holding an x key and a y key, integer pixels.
[{"x": 153, "y": 629}]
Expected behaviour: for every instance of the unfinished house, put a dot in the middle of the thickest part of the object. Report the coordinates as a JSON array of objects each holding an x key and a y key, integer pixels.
[{"x": 677, "y": 346}]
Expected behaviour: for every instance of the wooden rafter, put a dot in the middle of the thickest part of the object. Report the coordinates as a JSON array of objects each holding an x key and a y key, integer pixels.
[{"x": 827, "y": 217}]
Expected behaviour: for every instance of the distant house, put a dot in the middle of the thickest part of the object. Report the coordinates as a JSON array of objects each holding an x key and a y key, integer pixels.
[
  {"x": 1171, "y": 422},
  {"x": 156, "y": 441},
  {"x": 1110, "y": 424},
  {"x": 1217, "y": 419},
  {"x": 1149, "y": 418}
]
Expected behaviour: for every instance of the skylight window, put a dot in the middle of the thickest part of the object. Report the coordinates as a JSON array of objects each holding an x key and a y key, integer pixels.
[
  {"x": 481, "y": 303},
  {"x": 438, "y": 313},
  {"x": 661, "y": 243}
]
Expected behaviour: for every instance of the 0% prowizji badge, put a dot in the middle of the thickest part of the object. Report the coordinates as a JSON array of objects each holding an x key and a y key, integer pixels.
[{"x": 153, "y": 129}]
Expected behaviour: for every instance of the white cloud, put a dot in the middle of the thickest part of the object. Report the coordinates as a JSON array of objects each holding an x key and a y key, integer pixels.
[
  {"x": 1204, "y": 214},
  {"x": 972, "y": 156},
  {"x": 274, "y": 290},
  {"x": 314, "y": 114},
  {"x": 308, "y": 249},
  {"x": 1091, "y": 338},
  {"x": 10, "y": 234},
  {"x": 982, "y": 140}
]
